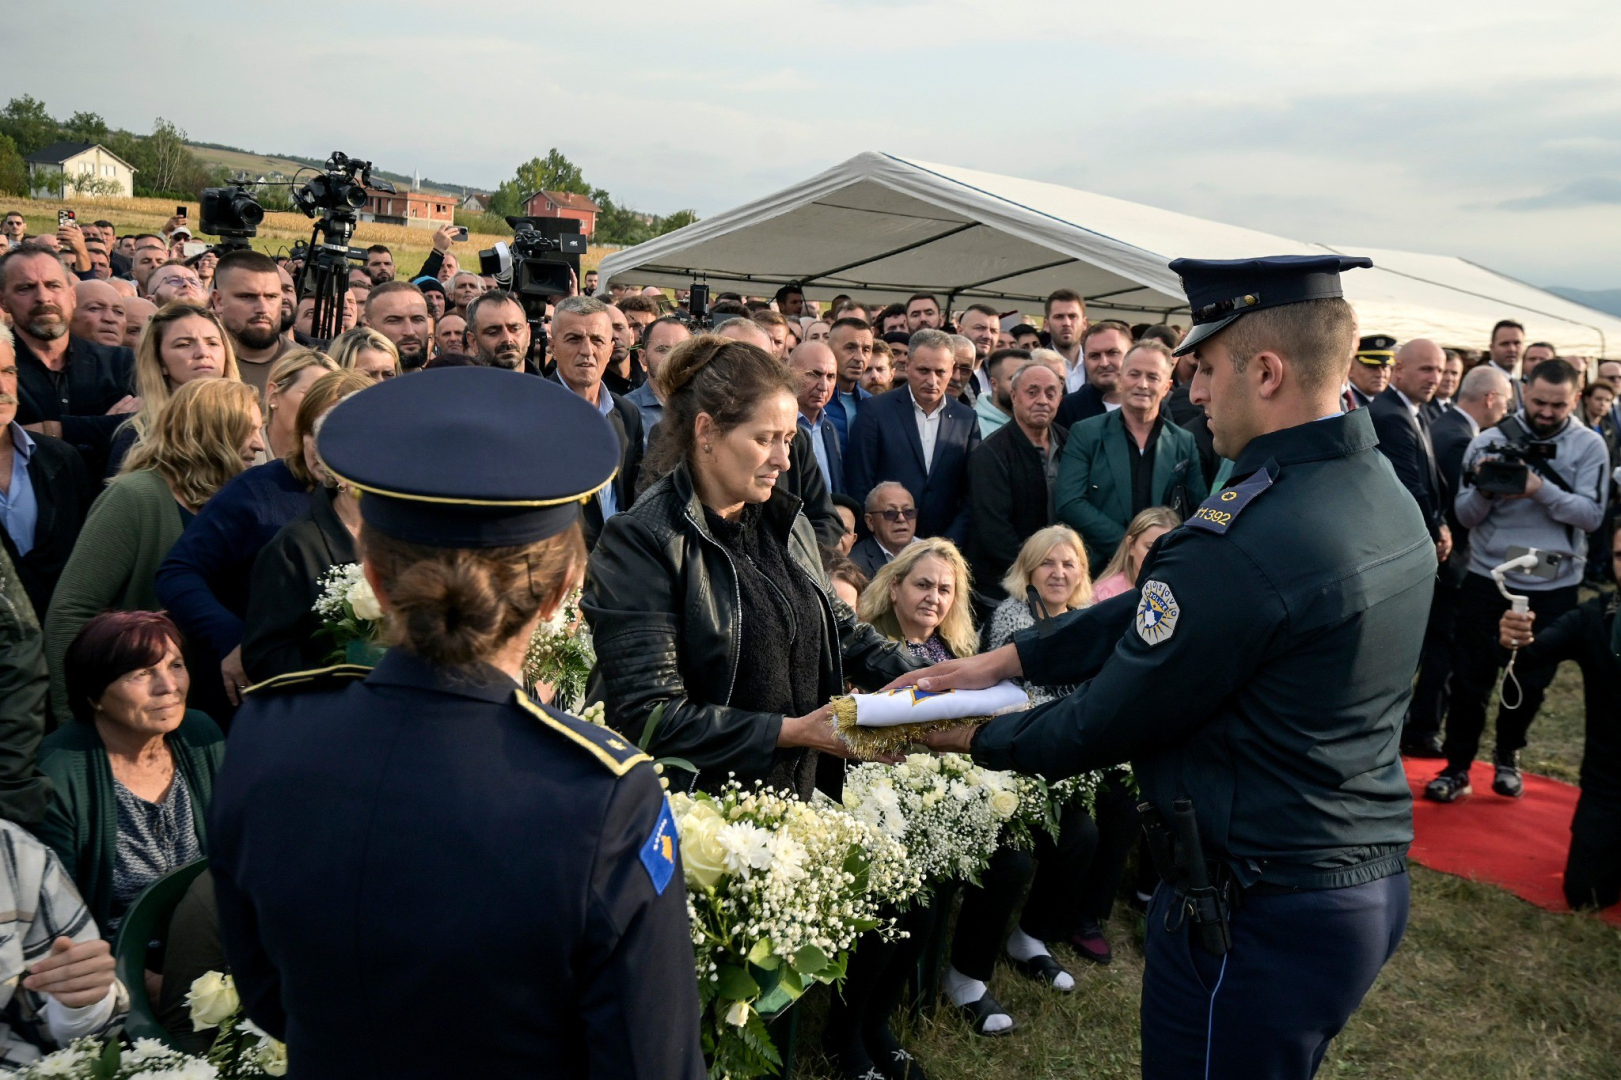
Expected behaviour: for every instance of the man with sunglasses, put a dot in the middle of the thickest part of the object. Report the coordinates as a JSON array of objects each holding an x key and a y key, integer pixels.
[
  {"x": 1370, "y": 370},
  {"x": 892, "y": 518}
]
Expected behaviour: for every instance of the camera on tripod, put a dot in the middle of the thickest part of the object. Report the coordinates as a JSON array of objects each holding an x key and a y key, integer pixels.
[
  {"x": 232, "y": 214},
  {"x": 535, "y": 266},
  {"x": 341, "y": 190},
  {"x": 1507, "y": 474},
  {"x": 332, "y": 199}
]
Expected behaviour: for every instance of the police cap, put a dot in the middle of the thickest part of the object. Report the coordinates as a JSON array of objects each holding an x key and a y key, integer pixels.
[
  {"x": 1221, "y": 290},
  {"x": 1376, "y": 350},
  {"x": 469, "y": 457}
]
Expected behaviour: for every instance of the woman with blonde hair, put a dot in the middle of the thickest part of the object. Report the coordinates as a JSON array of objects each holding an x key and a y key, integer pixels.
[
  {"x": 1121, "y": 573},
  {"x": 181, "y": 343},
  {"x": 1049, "y": 577},
  {"x": 368, "y": 352},
  {"x": 920, "y": 597},
  {"x": 289, "y": 378},
  {"x": 206, "y": 434}
]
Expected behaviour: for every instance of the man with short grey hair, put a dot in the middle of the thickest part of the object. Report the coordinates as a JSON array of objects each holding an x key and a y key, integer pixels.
[
  {"x": 582, "y": 342},
  {"x": 891, "y": 515},
  {"x": 965, "y": 365}
]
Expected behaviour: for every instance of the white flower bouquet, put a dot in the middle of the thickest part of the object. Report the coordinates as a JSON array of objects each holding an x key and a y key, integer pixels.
[
  {"x": 943, "y": 809},
  {"x": 350, "y": 614},
  {"x": 93, "y": 1059},
  {"x": 561, "y": 655},
  {"x": 777, "y": 892},
  {"x": 241, "y": 1049}
]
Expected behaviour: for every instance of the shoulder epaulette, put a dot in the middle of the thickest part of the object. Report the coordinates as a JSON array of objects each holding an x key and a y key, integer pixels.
[
  {"x": 325, "y": 678},
  {"x": 1217, "y": 513},
  {"x": 610, "y": 748}
]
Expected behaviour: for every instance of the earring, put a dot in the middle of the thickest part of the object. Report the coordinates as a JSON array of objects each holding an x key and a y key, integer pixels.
[{"x": 707, "y": 448}]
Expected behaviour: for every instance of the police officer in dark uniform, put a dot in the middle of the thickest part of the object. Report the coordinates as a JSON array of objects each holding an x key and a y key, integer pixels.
[
  {"x": 1257, "y": 682},
  {"x": 420, "y": 871}
]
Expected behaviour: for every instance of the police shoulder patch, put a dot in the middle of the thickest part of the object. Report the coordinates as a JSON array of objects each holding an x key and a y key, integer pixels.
[
  {"x": 617, "y": 753},
  {"x": 1217, "y": 513},
  {"x": 1157, "y": 613},
  {"x": 658, "y": 853},
  {"x": 325, "y": 678}
]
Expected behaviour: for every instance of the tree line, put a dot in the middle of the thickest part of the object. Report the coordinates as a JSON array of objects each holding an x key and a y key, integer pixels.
[
  {"x": 616, "y": 224},
  {"x": 165, "y": 166}
]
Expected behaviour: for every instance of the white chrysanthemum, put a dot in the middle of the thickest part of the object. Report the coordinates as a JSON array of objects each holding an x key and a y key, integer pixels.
[{"x": 747, "y": 847}]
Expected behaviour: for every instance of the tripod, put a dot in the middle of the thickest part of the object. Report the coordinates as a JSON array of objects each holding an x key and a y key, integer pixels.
[{"x": 325, "y": 275}]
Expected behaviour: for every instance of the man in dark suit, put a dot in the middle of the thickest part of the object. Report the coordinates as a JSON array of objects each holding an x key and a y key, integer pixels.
[
  {"x": 1370, "y": 370},
  {"x": 1404, "y": 433},
  {"x": 1482, "y": 399},
  {"x": 891, "y": 517},
  {"x": 818, "y": 374},
  {"x": 68, "y": 387},
  {"x": 1009, "y": 478},
  {"x": 918, "y": 436},
  {"x": 582, "y": 344},
  {"x": 1104, "y": 345}
]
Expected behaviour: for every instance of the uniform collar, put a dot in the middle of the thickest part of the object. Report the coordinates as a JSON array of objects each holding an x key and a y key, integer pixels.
[
  {"x": 480, "y": 682},
  {"x": 1333, "y": 437}
]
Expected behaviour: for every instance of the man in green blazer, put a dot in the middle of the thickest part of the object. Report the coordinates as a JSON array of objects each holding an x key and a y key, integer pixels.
[{"x": 1121, "y": 463}]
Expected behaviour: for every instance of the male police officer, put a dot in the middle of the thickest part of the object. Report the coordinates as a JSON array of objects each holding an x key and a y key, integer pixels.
[{"x": 1257, "y": 681}]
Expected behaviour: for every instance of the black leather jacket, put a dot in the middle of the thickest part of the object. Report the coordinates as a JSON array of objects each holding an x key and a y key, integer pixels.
[{"x": 662, "y": 601}]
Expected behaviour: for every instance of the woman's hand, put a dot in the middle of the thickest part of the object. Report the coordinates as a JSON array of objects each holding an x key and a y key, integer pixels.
[
  {"x": 969, "y": 673},
  {"x": 1514, "y": 629},
  {"x": 815, "y": 731},
  {"x": 76, "y": 974}
]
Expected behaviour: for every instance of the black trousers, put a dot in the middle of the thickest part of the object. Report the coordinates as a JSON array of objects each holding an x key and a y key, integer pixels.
[
  {"x": 1593, "y": 869},
  {"x": 1434, "y": 690},
  {"x": 875, "y": 979},
  {"x": 1478, "y": 658}
]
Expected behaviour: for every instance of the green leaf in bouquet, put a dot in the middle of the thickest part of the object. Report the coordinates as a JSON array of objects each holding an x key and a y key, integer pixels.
[
  {"x": 810, "y": 961},
  {"x": 678, "y": 763},
  {"x": 733, "y": 983},
  {"x": 863, "y": 925},
  {"x": 788, "y": 989},
  {"x": 105, "y": 1067},
  {"x": 762, "y": 957},
  {"x": 857, "y": 865},
  {"x": 653, "y": 719}
]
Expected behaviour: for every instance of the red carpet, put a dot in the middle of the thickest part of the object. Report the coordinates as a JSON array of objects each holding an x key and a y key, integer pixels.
[{"x": 1516, "y": 844}]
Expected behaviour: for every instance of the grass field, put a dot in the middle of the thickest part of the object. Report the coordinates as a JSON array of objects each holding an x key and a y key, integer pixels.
[{"x": 1484, "y": 987}]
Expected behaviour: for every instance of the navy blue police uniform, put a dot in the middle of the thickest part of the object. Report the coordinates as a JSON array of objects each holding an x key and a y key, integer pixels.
[
  {"x": 1262, "y": 673},
  {"x": 420, "y": 871}
]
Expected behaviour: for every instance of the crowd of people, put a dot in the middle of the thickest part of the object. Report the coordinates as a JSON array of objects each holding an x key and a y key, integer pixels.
[{"x": 805, "y": 500}]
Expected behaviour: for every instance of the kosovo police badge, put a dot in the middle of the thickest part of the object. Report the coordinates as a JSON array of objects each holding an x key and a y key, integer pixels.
[
  {"x": 1157, "y": 613},
  {"x": 658, "y": 853}
]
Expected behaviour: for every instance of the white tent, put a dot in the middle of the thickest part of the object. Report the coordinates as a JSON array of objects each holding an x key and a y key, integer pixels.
[{"x": 882, "y": 227}]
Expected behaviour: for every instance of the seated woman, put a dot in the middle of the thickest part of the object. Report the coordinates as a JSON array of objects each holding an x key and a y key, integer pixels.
[
  {"x": 205, "y": 435},
  {"x": 1075, "y": 885},
  {"x": 706, "y": 598},
  {"x": 203, "y": 583},
  {"x": 289, "y": 379},
  {"x": 368, "y": 352},
  {"x": 133, "y": 773},
  {"x": 181, "y": 343},
  {"x": 922, "y": 597},
  {"x": 57, "y": 980},
  {"x": 280, "y": 631},
  {"x": 1121, "y": 573}
]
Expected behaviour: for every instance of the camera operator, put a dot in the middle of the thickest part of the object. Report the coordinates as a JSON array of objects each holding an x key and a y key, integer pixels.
[{"x": 1565, "y": 466}]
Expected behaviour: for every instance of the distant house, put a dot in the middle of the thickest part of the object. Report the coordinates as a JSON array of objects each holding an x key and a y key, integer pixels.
[
  {"x": 418, "y": 209},
  {"x": 563, "y": 204},
  {"x": 475, "y": 202},
  {"x": 60, "y": 169}
]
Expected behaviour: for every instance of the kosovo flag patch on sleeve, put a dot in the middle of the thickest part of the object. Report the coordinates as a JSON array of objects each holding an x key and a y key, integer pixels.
[{"x": 658, "y": 854}]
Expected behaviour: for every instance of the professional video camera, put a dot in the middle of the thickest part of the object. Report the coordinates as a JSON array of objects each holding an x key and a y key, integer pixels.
[
  {"x": 697, "y": 317},
  {"x": 1507, "y": 473},
  {"x": 232, "y": 214},
  {"x": 540, "y": 264},
  {"x": 335, "y": 195}
]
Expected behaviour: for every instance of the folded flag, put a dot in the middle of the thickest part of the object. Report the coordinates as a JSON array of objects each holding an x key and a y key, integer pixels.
[{"x": 887, "y": 721}]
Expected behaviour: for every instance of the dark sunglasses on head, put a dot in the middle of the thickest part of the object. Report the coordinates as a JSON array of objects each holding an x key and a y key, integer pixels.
[{"x": 892, "y": 516}]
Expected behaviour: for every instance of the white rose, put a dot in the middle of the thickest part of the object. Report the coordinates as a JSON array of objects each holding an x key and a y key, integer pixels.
[
  {"x": 1004, "y": 804},
  {"x": 738, "y": 1014},
  {"x": 702, "y": 854},
  {"x": 364, "y": 601},
  {"x": 212, "y": 999}
]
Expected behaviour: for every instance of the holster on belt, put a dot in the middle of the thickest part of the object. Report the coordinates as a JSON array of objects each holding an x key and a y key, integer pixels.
[{"x": 1204, "y": 893}]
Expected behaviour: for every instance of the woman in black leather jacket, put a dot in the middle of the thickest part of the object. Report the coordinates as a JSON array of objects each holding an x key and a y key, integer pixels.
[{"x": 708, "y": 596}]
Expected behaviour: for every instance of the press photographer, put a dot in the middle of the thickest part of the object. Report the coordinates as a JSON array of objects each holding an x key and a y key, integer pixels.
[{"x": 1535, "y": 481}]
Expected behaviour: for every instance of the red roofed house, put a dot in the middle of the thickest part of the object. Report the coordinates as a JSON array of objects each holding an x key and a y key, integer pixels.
[
  {"x": 563, "y": 204},
  {"x": 418, "y": 209}
]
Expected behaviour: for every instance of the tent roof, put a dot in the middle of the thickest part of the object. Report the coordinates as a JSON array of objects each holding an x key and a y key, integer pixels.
[{"x": 883, "y": 227}]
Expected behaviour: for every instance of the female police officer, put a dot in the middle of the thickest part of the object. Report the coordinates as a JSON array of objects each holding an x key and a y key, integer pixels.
[{"x": 420, "y": 871}]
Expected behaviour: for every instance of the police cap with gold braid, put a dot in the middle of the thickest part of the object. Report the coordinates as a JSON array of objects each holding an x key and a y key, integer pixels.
[
  {"x": 1376, "y": 350},
  {"x": 1222, "y": 290},
  {"x": 469, "y": 457}
]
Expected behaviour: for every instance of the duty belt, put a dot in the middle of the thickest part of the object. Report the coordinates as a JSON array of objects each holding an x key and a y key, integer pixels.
[{"x": 1205, "y": 892}]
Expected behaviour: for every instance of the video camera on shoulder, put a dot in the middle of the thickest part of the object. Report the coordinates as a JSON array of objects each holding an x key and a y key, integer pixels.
[
  {"x": 536, "y": 266},
  {"x": 1514, "y": 459},
  {"x": 232, "y": 214}
]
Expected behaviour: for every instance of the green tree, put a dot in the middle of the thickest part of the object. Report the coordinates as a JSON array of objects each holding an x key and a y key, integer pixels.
[
  {"x": 87, "y": 127},
  {"x": 13, "y": 173},
  {"x": 28, "y": 124},
  {"x": 168, "y": 167},
  {"x": 678, "y": 220}
]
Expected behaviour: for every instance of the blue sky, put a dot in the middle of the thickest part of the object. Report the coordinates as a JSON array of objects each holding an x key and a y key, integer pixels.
[{"x": 1487, "y": 129}]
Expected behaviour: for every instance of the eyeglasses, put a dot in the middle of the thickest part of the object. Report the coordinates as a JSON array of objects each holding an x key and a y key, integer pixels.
[{"x": 892, "y": 516}]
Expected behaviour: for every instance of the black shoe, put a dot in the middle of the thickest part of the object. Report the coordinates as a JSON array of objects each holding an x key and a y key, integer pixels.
[
  {"x": 1508, "y": 781},
  {"x": 1044, "y": 969},
  {"x": 1449, "y": 787},
  {"x": 892, "y": 1060},
  {"x": 978, "y": 1012},
  {"x": 1423, "y": 746}
]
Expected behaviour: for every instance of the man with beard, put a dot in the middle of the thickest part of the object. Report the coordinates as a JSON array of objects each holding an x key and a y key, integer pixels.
[
  {"x": 67, "y": 387},
  {"x": 14, "y": 228},
  {"x": 879, "y": 378},
  {"x": 1011, "y": 476},
  {"x": 175, "y": 281},
  {"x": 1103, "y": 347},
  {"x": 995, "y": 408},
  {"x": 980, "y": 324},
  {"x": 497, "y": 331},
  {"x": 922, "y": 313},
  {"x": 247, "y": 299},
  {"x": 814, "y": 364},
  {"x": 582, "y": 343},
  {"x": 398, "y": 311},
  {"x": 379, "y": 264},
  {"x": 289, "y": 301},
  {"x": 851, "y": 342},
  {"x": 98, "y": 313},
  {"x": 622, "y": 375},
  {"x": 1065, "y": 321}
]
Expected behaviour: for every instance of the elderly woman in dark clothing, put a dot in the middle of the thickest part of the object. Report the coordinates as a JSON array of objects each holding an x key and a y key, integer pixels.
[
  {"x": 133, "y": 775},
  {"x": 707, "y": 598},
  {"x": 203, "y": 581},
  {"x": 280, "y": 632}
]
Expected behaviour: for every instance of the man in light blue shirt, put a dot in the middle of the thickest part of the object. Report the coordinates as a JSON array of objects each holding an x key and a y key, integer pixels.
[{"x": 19, "y": 508}]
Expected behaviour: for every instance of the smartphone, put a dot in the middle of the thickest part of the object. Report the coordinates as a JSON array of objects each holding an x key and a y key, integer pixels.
[
  {"x": 461, "y": 233},
  {"x": 180, "y": 211},
  {"x": 64, "y": 217},
  {"x": 192, "y": 248}
]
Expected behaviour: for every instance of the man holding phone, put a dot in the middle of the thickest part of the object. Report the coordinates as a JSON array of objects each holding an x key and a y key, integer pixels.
[
  {"x": 1566, "y": 477},
  {"x": 440, "y": 257}
]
